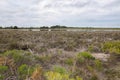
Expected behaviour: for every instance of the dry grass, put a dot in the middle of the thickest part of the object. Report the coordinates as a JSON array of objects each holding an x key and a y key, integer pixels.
[
  {"x": 42, "y": 41},
  {"x": 50, "y": 48}
]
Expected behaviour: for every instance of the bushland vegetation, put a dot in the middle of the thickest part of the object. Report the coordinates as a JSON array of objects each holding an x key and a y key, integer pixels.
[{"x": 59, "y": 55}]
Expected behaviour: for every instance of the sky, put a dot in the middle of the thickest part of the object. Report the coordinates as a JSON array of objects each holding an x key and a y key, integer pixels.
[{"x": 76, "y": 13}]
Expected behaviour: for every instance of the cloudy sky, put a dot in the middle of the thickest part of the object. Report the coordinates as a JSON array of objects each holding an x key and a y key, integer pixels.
[{"x": 98, "y": 13}]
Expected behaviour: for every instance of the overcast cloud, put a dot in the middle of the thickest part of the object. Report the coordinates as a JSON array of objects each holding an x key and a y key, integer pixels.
[{"x": 104, "y": 13}]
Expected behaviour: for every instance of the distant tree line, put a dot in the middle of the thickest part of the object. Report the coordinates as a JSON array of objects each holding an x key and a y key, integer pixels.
[
  {"x": 11, "y": 27},
  {"x": 42, "y": 27},
  {"x": 52, "y": 27},
  {"x": 55, "y": 27},
  {"x": 0, "y": 27}
]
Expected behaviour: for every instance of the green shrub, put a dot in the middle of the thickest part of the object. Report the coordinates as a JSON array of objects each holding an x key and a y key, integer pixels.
[
  {"x": 112, "y": 47},
  {"x": 1, "y": 77},
  {"x": 59, "y": 52},
  {"x": 3, "y": 69},
  {"x": 44, "y": 58},
  {"x": 25, "y": 70},
  {"x": 70, "y": 46},
  {"x": 90, "y": 68},
  {"x": 84, "y": 55},
  {"x": 57, "y": 76},
  {"x": 59, "y": 69},
  {"x": 98, "y": 64},
  {"x": 50, "y": 75},
  {"x": 43, "y": 49},
  {"x": 94, "y": 77},
  {"x": 91, "y": 48},
  {"x": 69, "y": 61},
  {"x": 78, "y": 78},
  {"x": 19, "y": 56}
]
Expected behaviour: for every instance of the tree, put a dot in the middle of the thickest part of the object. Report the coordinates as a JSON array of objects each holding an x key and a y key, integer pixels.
[
  {"x": 44, "y": 27},
  {"x": 0, "y": 27},
  {"x": 58, "y": 26},
  {"x": 15, "y": 27}
]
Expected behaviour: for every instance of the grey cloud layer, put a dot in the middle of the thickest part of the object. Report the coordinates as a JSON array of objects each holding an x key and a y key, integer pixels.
[{"x": 63, "y": 12}]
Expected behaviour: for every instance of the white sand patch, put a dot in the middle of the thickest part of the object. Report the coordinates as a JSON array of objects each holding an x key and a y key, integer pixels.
[{"x": 101, "y": 56}]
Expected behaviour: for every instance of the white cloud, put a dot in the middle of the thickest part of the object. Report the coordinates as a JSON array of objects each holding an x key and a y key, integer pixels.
[{"x": 63, "y": 12}]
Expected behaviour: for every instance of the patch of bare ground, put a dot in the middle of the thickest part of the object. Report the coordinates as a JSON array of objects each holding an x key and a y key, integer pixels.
[{"x": 101, "y": 56}]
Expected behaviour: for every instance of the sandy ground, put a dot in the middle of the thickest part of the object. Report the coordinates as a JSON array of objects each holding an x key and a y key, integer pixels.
[{"x": 101, "y": 56}]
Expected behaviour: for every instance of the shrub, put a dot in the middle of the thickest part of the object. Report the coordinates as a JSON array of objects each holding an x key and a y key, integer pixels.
[
  {"x": 78, "y": 78},
  {"x": 19, "y": 56},
  {"x": 3, "y": 69},
  {"x": 70, "y": 46},
  {"x": 90, "y": 68},
  {"x": 98, "y": 64},
  {"x": 94, "y": 77},
  {"x": 25, "y": 71},
  {"x": 84, "y": 56},
  {"x": 44, "y": 58},
  {"x": 112, "y": 47},
  {"x": 69, "y": 61},
  {"x": 94, "y": 48},
  {"x": 1, "y": 77},
  {"x": 50, "y": 75},
  {"x": 37, "y": 73},
  {"x": 91, "y": 48},
  {"x": 14, "y": 45},
  {"x": 112, "y": 74},
  {"x": 43, "y": 49},
  {"x": 59, "y": 69}
]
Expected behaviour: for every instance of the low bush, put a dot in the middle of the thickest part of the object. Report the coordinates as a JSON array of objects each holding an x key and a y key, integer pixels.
[
  {"x": 59, "y": 69},
  {"x": 37, "y": 73},
  {"x": 3, "y": 69},
  {"x": 56, "y": 76},
  {"x": 69, "y": 61},
  {"x": 94, "y": 48},
  {"x": 94, "y": 77},
  {"x": 50, "y": 75},
  {"x": 43, "y": 49},
  {"x": 14, "y": 45},
  {"x": 20, "y": 56},
  {"x": 83, "y": 56},
  {"x": 23, "y": 71},
  {"x": 44, "y": 58},
  {"x": 98, "y": 64},
  {"x": 112, "y": 47}
]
